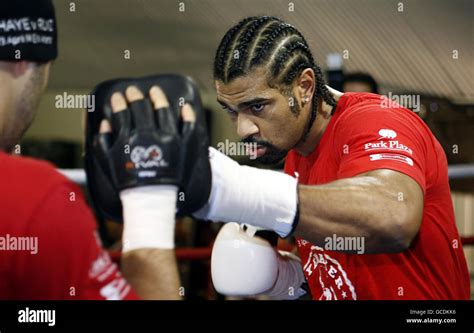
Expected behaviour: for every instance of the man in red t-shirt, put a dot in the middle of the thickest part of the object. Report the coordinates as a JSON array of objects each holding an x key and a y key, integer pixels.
[
  {"x": 63, "y": 257},
  {"x": 49, "y": 247},
  {"x": 361, "y": 140},
  {"x": 366, "y": 188}
]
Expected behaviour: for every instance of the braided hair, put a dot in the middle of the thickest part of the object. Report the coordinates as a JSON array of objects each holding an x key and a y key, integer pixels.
[{"x": 270, "y": 42}]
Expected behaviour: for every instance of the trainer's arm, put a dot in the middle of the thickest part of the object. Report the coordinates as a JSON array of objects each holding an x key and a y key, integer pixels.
[
  {"x": 384, "y": 206},
  {"x": 153, "y": 273},
  {"x": 148, "y": 258}
]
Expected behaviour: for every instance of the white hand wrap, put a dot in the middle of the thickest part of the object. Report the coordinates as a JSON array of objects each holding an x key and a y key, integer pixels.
[
  {"x": 263, "y": 198},
  {"x": 149, "y": 217}
]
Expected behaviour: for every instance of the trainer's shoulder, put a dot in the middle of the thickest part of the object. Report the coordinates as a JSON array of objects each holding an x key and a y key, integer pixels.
[
  {"x": 25, "y": 171},
  {"x": 28, "y": 185}
]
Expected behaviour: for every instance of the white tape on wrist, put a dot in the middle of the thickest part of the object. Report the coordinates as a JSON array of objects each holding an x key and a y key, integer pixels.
[
  {"x": 264, "y": 198},
  {"x": 149, "y": 217}
]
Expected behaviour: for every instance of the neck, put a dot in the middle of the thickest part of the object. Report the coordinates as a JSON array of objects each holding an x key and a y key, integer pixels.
[{"x": 319, "y": 126}]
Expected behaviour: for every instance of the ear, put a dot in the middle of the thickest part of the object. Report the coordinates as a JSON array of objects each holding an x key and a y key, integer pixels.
[{"x": 306, "y": 84}]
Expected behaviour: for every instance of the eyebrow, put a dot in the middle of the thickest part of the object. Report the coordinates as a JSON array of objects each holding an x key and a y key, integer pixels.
[{"x": 243, "y": 105}]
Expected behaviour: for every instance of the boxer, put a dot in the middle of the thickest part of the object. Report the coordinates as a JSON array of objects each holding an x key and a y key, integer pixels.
[{"x": 354, "y": 169}]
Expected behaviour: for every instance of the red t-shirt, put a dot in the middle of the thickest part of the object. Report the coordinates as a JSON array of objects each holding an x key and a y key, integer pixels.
[
  {"x": 49, "y": 247},
  {"x": 363, "y": 136}
]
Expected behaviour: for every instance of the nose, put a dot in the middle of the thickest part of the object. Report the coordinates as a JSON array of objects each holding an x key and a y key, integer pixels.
[{"x": 245, "y": 126}]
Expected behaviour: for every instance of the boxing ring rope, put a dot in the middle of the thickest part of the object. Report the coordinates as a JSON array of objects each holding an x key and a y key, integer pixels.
[
  {"x": 458, "y": 171},
  {"x": 461, "y": 171}
]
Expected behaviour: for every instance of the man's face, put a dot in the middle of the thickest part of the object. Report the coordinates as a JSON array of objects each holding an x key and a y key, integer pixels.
[{"x": 263, "y": 115}]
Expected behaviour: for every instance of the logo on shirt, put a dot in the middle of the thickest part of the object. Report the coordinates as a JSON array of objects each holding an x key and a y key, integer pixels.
[
  {"x": 115, "y": 290},
  {"x": 331, "y": 281},
  {"x": 393, "y": 157},
  {"x": 387, "y": 134},
  {"x": 389, "y": 149},
  {"x": 104, "y": 271}
]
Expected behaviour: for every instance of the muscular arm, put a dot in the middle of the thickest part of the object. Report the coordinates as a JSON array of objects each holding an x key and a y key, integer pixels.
[
  {"x": 152, "y": 273},
  {"x": 383, "y": 206}
]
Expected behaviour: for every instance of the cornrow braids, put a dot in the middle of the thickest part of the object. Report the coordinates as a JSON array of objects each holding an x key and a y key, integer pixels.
[
  {"x": 280, "y": 47},
  {"x": 271, "y": 42},
  {"x": 221, "y": 54},
  {"x": 245, "y": 39},
  {"x": 255, "y": 47}
]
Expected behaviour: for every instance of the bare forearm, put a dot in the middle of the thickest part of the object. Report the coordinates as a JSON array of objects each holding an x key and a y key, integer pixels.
[
  {"x": 152, "y": 273},
  {"x": 365, "y": 207}
]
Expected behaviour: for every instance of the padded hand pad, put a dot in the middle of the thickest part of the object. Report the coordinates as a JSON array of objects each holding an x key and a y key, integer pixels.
[{"x": 179, "y": 90}]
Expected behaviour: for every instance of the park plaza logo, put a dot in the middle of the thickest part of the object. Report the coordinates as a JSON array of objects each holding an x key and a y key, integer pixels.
[
  {"x": 387, "y": 134},
  {"x": 386, "y": 141},
  {"x": 388, "y": 148}
]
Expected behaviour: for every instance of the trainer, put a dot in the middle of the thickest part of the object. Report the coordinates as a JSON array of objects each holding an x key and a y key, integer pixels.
[{"x": 49, "y": 247}]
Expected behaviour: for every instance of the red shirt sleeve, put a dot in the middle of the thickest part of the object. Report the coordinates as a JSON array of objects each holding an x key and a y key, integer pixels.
[
  {"x": 70, "y": 262},
  {"x": 372, "y": 138}
]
